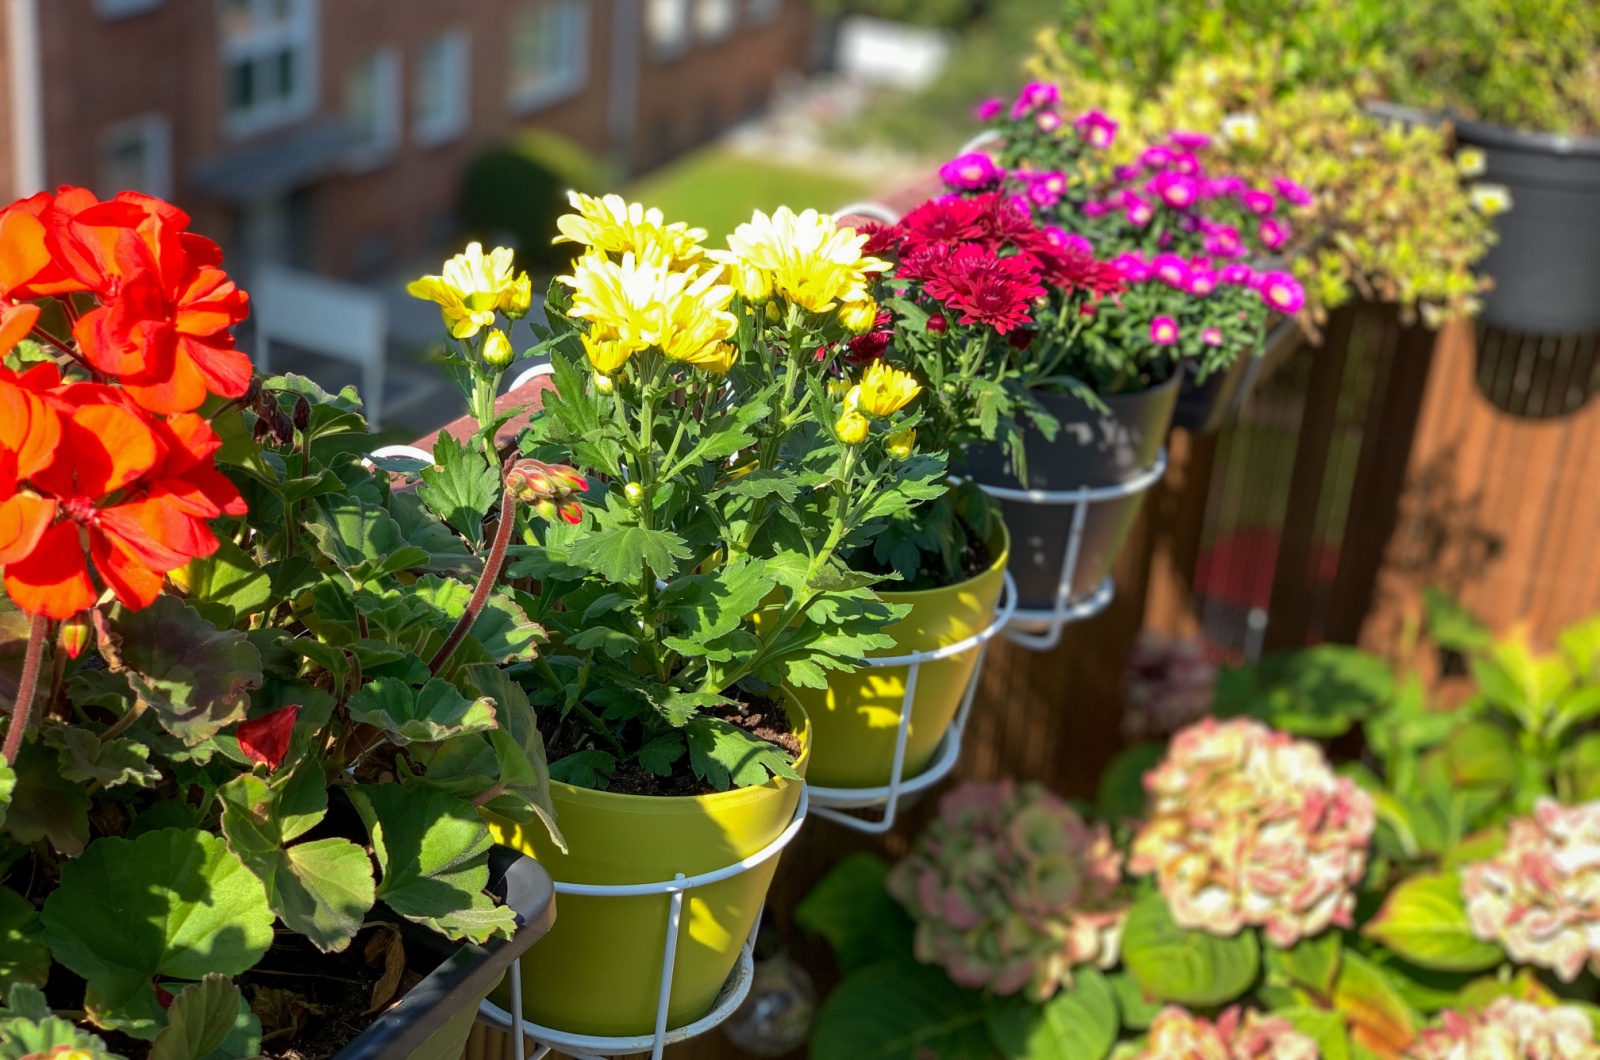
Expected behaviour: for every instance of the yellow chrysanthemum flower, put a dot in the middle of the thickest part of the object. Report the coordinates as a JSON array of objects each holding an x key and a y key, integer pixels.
[
  {"x": 605, "y": 352},
  {"x": 471, "y": 286},
  {"x": 642, "y": 302},
  {"x": 851, "y": 427},
  {"x": 716, "y": 359},
  {"x": 812, "y": 261},
  {"x": 859, "y": 316},
  {"x": 885, "y": 390},
  {"x": 901, "y": 444},
  {"x": 613, "y": 226}
]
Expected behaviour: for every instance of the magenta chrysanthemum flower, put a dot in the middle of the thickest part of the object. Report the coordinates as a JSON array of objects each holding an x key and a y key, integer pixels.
[
  {"x": 1034, "y": 97},
  {"x": 1163, "y": 331},
  {"x": 1138, "y": 208},
  {"x": 1211, "y": 336},
  {"x": 1260, "y": 203},
  {"x": 989, "y": 109},
  {"x": 1097, "y": 129},
  {"x": 1190, "y": 141},
  {"x": 1281, "y": 291},
  {"x": 1171, "y": 270},
  {"x": 1224, "y": 242},
  {"x": 985, "y": 288},
  {"x": 1292, "y": 192},
  {"x": 1156, "y": 157},
  {"x": 973, "y": 171},
  {"x": 1273, "y": 233},
  {"x": 1047, "y": 121},
  {"x": 1227, "y": 186},
  {"x": 1239, "y": 275},
  {"x": 1123, "y": 174},
  {"x": 1046, "y": 189},
  {"x": 1132, "y": 267},
  {"x": 1095, "y": 208},
  {"x": 1202, "y": 281},
  {"x": 1174, "y": 189},
  {"x": 1185, "y": 163}
]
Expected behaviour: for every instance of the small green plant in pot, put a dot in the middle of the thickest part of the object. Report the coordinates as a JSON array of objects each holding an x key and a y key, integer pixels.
[
  {"x": 704, "y": 573},
  {"x": 255, "y": 694}
]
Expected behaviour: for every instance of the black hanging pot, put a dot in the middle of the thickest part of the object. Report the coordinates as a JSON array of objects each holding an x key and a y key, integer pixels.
[
  {"x": 1091, "y": 449},
  {"x": 1211, "y": 405},
  {"x": 1546, "y": 265}
]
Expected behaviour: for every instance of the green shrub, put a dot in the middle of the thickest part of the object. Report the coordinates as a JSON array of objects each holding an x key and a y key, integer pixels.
[{"x": 513, "y": 193}]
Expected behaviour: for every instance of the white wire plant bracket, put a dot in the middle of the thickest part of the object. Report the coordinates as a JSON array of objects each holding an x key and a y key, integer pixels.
[
  {"x": 1039, "y": 629},
  {"x": 592, "y": 1047},
  {"x": 832, "y": 803}
]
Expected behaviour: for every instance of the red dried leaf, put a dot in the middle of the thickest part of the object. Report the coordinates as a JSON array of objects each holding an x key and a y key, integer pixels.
[{"x": 266, "y": 739}]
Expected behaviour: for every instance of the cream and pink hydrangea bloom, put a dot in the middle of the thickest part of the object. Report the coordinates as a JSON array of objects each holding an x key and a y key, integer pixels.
[
  {"x": 1237, "y": 1034},
  {"x": 1011, "y": 890},
  {"x": 1540, "y": 896},
  {"x": 1249, "y": 827},
  {"x": 1509, "y": 1029}
]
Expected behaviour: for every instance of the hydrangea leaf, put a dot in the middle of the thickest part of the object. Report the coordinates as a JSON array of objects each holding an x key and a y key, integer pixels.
[
  {"x": 200, "y": 1019},
  {"x": 851, "y": 909},
  {"x": 1380, "y": 1020},
  {"x": 433, "y": 853},
  {"x": 460, "y": 487},
  {"x": 194, "y": 677},
  {"x": 1311, "y": 964},
  {"x": 23, "y": 955},
  {"x": 1424, "y": 921},
  {"x": 1138, "y": 1009},
  {"x": 1188, "y": 967},
  {"x": 1328, "y": 1029},
  {"x": 901, "y": 1010},
  {"x": 46, "y": 805},
  {"x": 173, "y": 903},
  {"x": 1319, "y": 692},
  {"x": 434, "y": 712},
  {"x": 86, "y": 760},
  {"x": 1078, "y": 1023}
]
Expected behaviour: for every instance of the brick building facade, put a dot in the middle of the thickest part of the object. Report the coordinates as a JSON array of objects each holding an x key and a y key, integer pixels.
[{"x": 333, "y": 134}]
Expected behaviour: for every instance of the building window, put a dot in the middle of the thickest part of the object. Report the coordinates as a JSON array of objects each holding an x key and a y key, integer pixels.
[
  {"x": 269, "y": 61},
  {"x": 549, "y": 52},
  {"x": 667, "y": 23},
  {"x": 372, "y": 107},
  {"x": 442, "y": 88},
  {"x": 764, "y": 11},
  {"x": 136, "y": 155},
  {"x": 715, "y": 19},
  {"x": 111, "y": 9}
]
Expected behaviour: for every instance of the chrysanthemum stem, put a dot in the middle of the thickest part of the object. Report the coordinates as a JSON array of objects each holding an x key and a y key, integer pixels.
[
  {"x": 493, "y": 564},
  {"x": 27, "y": 689}
]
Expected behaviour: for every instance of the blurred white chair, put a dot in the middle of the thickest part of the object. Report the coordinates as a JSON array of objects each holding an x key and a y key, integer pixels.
[{"x": 327, "y": 317}]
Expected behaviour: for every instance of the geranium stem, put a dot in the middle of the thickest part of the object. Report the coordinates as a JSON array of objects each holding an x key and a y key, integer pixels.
[
  {"x": 493, "y": 565},
  {"x": 27, "y": 689}
]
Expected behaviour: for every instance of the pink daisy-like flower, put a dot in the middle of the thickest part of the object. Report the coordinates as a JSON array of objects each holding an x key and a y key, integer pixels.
[
  {"x": 1281, "y": 291},
  {"x": 1138, "y": 208},
  {"x": 1047, "y": 121},
  {"x": 1174, "y": 189},
  {"x": 1292, "y": 192},
  {"x": 1202, "y": 281},
  {"x": 1272, "y": 233},
  {"x": 1239, "y": 275},
  {"x": 1123, "y": 174},
  {"x": 1211, "y": 336},
  {"x": 1097, "y": 129},
  {"x": 1035, "y": 96},
  {"x": 1171, "y": 270},
  {"x": 972, "y": 171},
  {"x": 1132, "y": 267},
  {"x": 989, "y": 109},
  {"x": 1190, "y": 141},
  {"x": 1224, "y": 242},
  {"x": 1260, "y": 203},
  {"x": 1094, "y": 208},
  {"x": 1185, "y": 163},
  {"x": 1156, "y": 157},
  {"x": 1163, "y": 331}
]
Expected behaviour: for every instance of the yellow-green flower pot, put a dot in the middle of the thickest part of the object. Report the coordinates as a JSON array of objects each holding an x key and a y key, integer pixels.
[
  {"x": 855, "y": 721},
  {"x": 598, "y": 972}
]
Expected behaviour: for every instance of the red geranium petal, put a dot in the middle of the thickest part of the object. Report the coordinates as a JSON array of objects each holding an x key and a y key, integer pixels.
[
  {"x": 266, "y": 739},
  {"x": 52, "y": 580},
  {"x": 135, "y": 584},
  {"x": 24, "y": 519}
]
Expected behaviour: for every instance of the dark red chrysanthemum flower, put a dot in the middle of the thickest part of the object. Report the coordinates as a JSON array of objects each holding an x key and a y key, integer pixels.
[
  {"x": 945, "y": 220},
  {"x": 923, "y": 260},
  {"x": 868, "y": 347},
  {"x": 1073, "y": 270},
  {"x": 1003, "y": 219},
  {"x": 881, "y": 238},
  {"x": 987, "y": 289}
]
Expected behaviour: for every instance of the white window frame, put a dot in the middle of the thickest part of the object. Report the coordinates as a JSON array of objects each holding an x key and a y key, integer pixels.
[
  {"x": 708, "y": 31},
  {"x": 111, "y": 10},
  {"x": 764, "y": 12},
  {"x": 572, "y": 18},
  {"x": 298, "y": 34},
  {"x": 433, "y": 130},
  {"x": 155, "y": 131},
  {"x": 383, "y": 66},
  {"x": 663, "y": 49}
]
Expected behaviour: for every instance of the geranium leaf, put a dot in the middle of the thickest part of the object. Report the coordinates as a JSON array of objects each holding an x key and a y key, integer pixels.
[
  {"x": 1078, "y": 1023},
  {"x": 1189, "y": 967},
  {"x": 194, "y": 677},
  {"x": 199, "y": 1020},
  {"x": 447, "y": 553},
  {"x": 28, "y": 1031},
  {"x": 460, "y": 486},
  {"x": 362, "y": 539},
  {"x": 175, "y": 903},
  {"x": 434, "y": 712},
  {"x": 323, "y": 889},
  {"x": 85, "y": 760},
  {"x": 724, "y": 755},
  {"x": 23, "y": 956},
  {"x": 46, "y": 805},
  {"x": 622, "y": 554},
  {"x": 1424, "y": 921},
  {"x": 502, "y": 628},
  {"x": 521, "y": 765},
  {"x": 433, "y": 853},
  {"x": 230, "y": 580},
  {"x": 8, "y": 785}
]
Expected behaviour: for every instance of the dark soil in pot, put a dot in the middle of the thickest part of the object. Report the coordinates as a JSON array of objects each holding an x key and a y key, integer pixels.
[
  {"x": 1091, "y": 449},
  {"x": 1546, "y": 265}
]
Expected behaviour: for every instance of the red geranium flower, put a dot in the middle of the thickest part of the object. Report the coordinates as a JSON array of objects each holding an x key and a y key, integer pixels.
[
  {"x": 266, "y": 739},
  {"x": 986, "y": 288}
]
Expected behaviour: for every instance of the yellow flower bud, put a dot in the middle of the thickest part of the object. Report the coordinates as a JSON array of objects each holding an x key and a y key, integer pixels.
[
  {"x": 603, "y": 384},
  {"x": 634, "y": 492},
  {"x": 886, "y": 390},
  {"x": 773, "y": 316},
  {"x": 839, "y": 389},
  {"x": 753, "y": 284},
  {"x": 517, "y": 299},
  {"x": 606, "y": 354},
  {"x": 860, "y": 316},
  {"x": 900, "y": 444},
  {"x": 851, "y": 428},
  {"x": 497, "y": 351}
]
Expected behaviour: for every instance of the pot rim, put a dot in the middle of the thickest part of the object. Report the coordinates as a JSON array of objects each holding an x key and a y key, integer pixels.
[
  {"x": 1173, "y": 380},
  {"x": 1492, "y": 134}
]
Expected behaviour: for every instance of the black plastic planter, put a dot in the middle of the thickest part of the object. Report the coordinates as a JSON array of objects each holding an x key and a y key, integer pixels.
[
  {"x": 434, "y": 1018},
  {"x": 1546, "y": 266},
  {"x": 1209, "y": 406},
  {"x": 1091, "y": 449}
]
